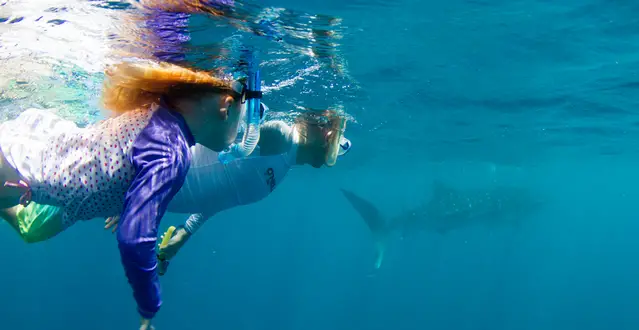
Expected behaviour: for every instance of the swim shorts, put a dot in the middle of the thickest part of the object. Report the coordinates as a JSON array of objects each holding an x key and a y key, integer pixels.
[{"x": 39, "y": 222}]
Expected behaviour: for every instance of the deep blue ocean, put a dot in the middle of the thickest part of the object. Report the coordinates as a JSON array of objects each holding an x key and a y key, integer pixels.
[{"x": 537, "y": 94}]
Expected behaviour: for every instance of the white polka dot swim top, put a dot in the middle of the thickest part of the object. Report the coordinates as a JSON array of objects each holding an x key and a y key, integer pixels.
[{"x": 88, "y": 171}]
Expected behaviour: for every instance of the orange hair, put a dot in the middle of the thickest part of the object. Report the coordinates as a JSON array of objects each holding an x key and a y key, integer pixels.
[{"x": 130, "y": 86}]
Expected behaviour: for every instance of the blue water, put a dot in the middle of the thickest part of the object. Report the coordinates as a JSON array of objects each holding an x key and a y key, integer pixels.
[{"x": 534, "y": 93}]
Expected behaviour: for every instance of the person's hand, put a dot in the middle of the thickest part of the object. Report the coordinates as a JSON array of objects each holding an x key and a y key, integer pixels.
[
  {"x": 180, "y": 236},
  {"x": 145, "y": 324},
  {"x": 112, "y": 222}
]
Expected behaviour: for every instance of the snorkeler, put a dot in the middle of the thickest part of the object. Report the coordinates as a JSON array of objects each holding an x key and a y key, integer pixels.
[
  {"x": 316, "y": 138},
  {"x": 131, "y": 164}
]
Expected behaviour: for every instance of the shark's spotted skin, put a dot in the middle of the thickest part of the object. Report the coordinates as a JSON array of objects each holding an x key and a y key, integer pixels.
[{"x": 447, "y": 210}]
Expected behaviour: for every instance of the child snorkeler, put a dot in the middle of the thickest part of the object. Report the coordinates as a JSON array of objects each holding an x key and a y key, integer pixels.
[{"x": 132, "y": 164}]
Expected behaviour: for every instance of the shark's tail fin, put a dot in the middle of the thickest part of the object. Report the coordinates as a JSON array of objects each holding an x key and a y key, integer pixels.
[
  {"x": 374, "y": 221},
  {"x": 381, "y": 248}
]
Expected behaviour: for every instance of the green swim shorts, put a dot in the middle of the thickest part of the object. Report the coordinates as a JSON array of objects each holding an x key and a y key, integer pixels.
[{"x": 39, "y": 222}]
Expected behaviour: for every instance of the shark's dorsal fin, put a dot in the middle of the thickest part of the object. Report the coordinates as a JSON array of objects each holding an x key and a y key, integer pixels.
[
  {"x": 443, "y": 197},
  {"x": 367, "y": 211},
  {"x": 440, "y": 189},
  {"x": 443, "y": 192}
]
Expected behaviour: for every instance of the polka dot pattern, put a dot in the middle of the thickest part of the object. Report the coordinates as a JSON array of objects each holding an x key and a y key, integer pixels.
[{"x": 89, "y": 172}]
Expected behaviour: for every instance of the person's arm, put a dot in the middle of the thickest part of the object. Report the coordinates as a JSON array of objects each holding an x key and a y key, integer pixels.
[
  {"x": 276, "y": 137},
  {"x": 181, "y": 236},
  {"x": 161, "y": 164},
  {"x": 194, "y": 222}
]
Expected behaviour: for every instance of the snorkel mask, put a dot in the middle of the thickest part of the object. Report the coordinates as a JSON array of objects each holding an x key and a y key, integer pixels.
[
  {"x": 338, "y": 144},
  {"x": 251, "y": 95}
]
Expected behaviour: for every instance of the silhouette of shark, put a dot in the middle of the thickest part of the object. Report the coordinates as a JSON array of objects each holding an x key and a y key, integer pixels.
[{"x": 447, "y": 210}]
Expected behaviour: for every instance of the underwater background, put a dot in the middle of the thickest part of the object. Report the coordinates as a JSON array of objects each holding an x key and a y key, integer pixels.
[{"x": 537, "y": 94}]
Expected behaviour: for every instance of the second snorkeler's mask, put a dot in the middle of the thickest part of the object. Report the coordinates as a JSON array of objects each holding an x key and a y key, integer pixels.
[
  {"x": 338, "y": 145},
  {"x": 250, "y": 94}
]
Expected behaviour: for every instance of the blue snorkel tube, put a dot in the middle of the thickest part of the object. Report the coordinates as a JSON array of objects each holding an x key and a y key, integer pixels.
[{"x": 253, "y": 114}]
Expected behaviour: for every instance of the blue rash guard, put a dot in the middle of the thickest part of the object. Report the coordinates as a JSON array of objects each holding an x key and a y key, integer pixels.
[{"x": 161, "y": 159}]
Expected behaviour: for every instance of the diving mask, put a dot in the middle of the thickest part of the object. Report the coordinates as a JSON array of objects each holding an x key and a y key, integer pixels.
[
  {"x": 250, "y": 93},
  {"x": 338, "y": 145}
]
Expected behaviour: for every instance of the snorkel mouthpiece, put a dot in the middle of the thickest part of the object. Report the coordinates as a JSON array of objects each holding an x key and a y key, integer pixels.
[
  {"x": 335, "y": 146},
  {"x": 253, "y": 116}
]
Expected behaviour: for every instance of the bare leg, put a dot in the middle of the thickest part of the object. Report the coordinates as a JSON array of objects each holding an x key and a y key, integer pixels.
[
  {"x": 9, "y": 196},
  {"x": 9, "y": 215}
]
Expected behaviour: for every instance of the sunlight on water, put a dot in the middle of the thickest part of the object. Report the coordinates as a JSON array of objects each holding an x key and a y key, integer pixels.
[{"x": 54, "y": 52}]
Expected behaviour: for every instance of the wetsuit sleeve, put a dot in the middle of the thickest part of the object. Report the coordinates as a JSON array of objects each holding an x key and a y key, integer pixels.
[
  {"x": 161, "y": 164},
  {"x": 194, "y": 222}
]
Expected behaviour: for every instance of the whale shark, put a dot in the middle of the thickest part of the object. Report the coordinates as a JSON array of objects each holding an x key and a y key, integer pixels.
[{"x": 447, "y": 210}]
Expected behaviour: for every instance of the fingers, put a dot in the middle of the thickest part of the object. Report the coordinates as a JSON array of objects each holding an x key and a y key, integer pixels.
[
  {"x": 162, "y": 267},
  {"x": 146, "y": 327},
  {"x": 145, "y": 324},
  {"x": 160, "y": 244},
  {"x": 111, "y": 222}
]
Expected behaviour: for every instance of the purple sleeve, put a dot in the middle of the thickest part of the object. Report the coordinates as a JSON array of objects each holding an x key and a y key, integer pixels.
[
  {"x": 169, "y": 30},
  {"x": 221, "y": 5},
  {"x": 168, "y": 33},
  {"x": 160, "y": 156}
]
